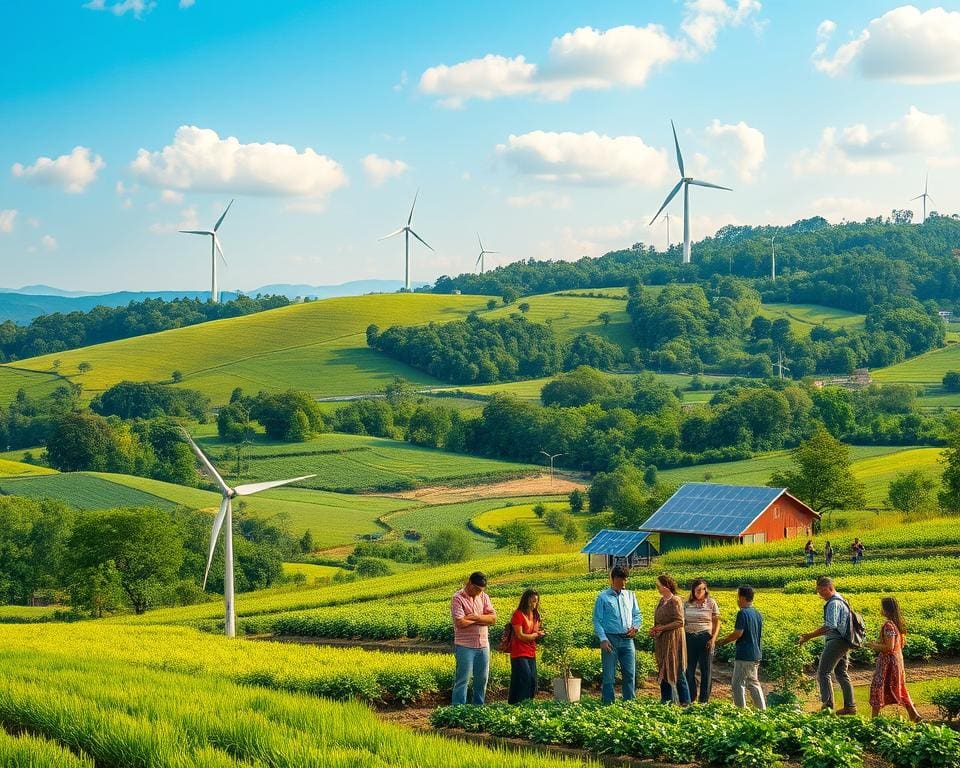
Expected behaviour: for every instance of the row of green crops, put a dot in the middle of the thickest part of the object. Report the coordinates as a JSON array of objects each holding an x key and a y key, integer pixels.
[
  {"x": 32, "y": 752},
  {"x": 162, "y": 717},
  {"x": 717, "y": 733}
]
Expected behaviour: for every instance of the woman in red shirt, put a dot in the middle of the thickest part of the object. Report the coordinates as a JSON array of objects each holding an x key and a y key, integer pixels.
[{"x": 526, "y": 630}]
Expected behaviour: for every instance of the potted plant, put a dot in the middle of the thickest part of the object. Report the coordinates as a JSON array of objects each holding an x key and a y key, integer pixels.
[{"x": 557, "y": 651}]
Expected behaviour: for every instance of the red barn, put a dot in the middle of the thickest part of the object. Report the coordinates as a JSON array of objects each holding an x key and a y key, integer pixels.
[{"x": 704, "y": 514}]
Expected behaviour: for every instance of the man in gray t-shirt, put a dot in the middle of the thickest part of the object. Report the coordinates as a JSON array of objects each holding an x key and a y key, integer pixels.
[{"x": 835, "y": 658}]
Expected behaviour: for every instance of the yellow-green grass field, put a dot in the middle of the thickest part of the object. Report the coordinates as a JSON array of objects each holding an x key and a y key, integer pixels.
[
  {"x": 318, "y": 346},
  {"x": 874, "y": 465},
  {"x": 34, "y": 383},
  {"x": 313, "y": 573},
  {"x": 356, "y": 463},
  {"x": 926, "y": 369},
  {"x": 572, "y": 315},
  {"x": 19, "y": 469},
  {"x": 809, "y": 316},
  {"x": 548, "y": 540}
]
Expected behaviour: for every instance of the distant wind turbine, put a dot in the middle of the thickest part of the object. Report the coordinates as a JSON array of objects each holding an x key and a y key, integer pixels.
[
  {"x": 685, "y": 182},
  {"x": 667, "y": 217},
  {"x": 483, "y": 252},
  {"x": 925, "y": 197},
  {"x": 407, "y": 231},
  {"x": 773, "y": 261},
  {"x": 225, "y": 515},
  {"x": 214, "y": 249}
]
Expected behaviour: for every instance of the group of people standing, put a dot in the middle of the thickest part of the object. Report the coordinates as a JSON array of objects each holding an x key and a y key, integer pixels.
[
  {"x": 685, "y": 636},
  {"x": 810, "y": 553}
]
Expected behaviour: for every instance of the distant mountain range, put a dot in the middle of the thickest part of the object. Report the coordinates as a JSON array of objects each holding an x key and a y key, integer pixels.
[{"x": 21, "y": 305}]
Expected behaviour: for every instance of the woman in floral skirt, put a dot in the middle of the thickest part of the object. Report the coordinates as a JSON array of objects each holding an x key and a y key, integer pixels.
[{"x": 889, "y": 682}]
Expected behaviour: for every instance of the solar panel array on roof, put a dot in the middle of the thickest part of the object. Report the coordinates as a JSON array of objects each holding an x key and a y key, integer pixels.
[
  {"x": 617, "y": 543},
  {"x": 712, "y": 509}
]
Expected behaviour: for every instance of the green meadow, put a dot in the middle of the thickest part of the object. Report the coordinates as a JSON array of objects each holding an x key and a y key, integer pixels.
[
  {"x": 34, "y": 383},
  {"x": 926, "y": 369},
  {"x": 809, "y": 316}
]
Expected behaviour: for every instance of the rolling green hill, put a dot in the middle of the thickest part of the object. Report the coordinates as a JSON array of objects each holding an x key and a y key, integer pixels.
[
  {"x": 926, "y": 369},
  {"x": 34, "y": 383},
  {"x": 808, "y": 316},
  {"x": 319, "y": 347}
]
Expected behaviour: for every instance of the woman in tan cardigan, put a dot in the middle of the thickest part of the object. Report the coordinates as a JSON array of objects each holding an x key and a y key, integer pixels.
[{"x": 669, "y": 644}]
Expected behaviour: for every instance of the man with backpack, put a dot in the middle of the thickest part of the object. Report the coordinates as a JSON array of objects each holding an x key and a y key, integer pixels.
[{"x": 842, "y": 631}]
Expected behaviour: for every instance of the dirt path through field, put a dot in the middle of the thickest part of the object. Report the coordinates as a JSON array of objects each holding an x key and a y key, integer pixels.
[{"x": 537, "y": 485}]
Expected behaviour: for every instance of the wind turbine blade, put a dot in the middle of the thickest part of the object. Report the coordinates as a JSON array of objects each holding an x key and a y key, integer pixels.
[
  {"x": 222, "y": 217},
  {"x": 216, "y": 242},
  {"x": 196, "y": 232},
  {"x": 481, "y": 243},
  {"x": 916, "y": 198},
  {"x": 422, "y": 240},
  {"x": 396, "y": 232},
  {"x": 491, "y": 251},
  {"x": 677, "y": 145},
  {"x": 214, "y": 535},
  {"x": 667, "y": 201},
  {"x": 410, "y": 217},
  {"x": 224, "y": 488},
  {"x": 251, "y": 488},
  {"x": 929, "y": 198},
  {"x": 478, "y": 260},
  {"x": 708, "y": 184}
]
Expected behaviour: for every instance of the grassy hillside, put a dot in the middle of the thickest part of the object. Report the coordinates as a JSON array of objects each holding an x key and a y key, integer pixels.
[
  {"x": 18, "y": 469},
  {"x": 34, "y": 383},
  {"x": 319, "y": 347},
  {"x": 82, "y": 490},
  {"x": 808, "y": 316},
  {"x": 927, "y": 369},
  {"x": 356, "y": 463}
]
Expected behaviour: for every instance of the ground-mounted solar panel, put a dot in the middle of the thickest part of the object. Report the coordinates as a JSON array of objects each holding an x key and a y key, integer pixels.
[
  {"x": 712, "y": 509},
  {"x": 616, "y": 543}
]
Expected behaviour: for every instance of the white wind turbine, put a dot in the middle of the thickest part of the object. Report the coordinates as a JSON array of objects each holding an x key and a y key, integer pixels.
[
  {"x": 685, "y": 182},
  {"x": 667, "y": 217},
  {"x": 407, "y": 231},
  {"x": 483, "y": 252},
  {"x": 214, "y": 248},
  {"x": 773, "y": 261},
  {"x": 225, "y": 515},
  {"x": 925, "y": 197}
]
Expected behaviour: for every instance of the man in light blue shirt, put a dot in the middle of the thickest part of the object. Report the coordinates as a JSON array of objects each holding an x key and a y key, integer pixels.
[
  {"x": 616, "y": 621},
  {"x": 835, "y": 657}
]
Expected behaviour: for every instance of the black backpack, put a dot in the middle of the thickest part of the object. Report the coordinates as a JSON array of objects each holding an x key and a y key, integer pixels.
[{"x": 855, "y": 632}]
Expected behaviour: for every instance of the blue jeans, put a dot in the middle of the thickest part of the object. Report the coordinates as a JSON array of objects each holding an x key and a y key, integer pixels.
[
  {"x": 475, "y": 662},
  {"x": 625, "y": 653}
]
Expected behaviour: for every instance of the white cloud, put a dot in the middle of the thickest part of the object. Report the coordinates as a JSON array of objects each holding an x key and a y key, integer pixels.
[
  {"x": 33, "y": 221},
  {"x": 187, "y": 3},
  {"x": 837, "y": 209},
  {"x": 49, "y": 242},
  {"x": 7, "y": 218},
  {"x": 198, "y": 159},
  {"x": 543, "y": 199},
  {"x": 171, "y": 196},
  {"x": 857, "y": 149},
  {"x": 905, "y": 45},
  {"x": 188, "y": 220},
  {"x": 380, "y": 169},
  {"x": 742, "y": 145},
  {"x": 73, "y": 172},
  {"x": 138, "y": 7},
  {"x": 402, "y": 82},
  {"x": 586, "y": 158},
  {"x": 587, "y": 58}
]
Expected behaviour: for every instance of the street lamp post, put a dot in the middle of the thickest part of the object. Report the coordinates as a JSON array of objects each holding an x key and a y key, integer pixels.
[{"x": 551, "y": 456}]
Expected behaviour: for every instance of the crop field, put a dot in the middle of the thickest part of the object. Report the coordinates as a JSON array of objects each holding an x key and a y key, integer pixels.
[
  {"x": 359, "y": 463},
  {"x": 926, "y": 369},
  {"x": 27, "y": 614},
  {"x": 875, "y": 465},
  {"x": 319, "y": 347},
  {"x": 572, "y": 315},
  {"x": 19, "y": 469},
  {"x": 34, "y": 383},
  {"x": 548, "y": 540},
  {"x": 809, "y": 316},
  {"x": 82, "y": 490},
  {"x": 312, "y": 573}
]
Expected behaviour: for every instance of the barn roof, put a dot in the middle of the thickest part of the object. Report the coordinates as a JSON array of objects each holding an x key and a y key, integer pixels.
[
  {"x": 713, "y": 509},
  {"x": 617, "y": 543}
]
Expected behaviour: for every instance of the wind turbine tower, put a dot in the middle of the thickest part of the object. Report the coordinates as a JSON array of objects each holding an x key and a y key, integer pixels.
[
  {"x": 685, "y": 182},
  {"x": 667, "y": 217},
  {"x": 225, "y": 516},
  {"x": 407, "y": 231},
  {"x": 773, "y": 261},
  {"x": 483, "y": 252},
  {"x": 214, "y": 249},
  {"x": 779, "y": 364},
  {"x": 925, "y": 197}
]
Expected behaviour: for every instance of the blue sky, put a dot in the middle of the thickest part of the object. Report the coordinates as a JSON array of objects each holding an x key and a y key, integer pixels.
[{"x": 545, "y": 126}]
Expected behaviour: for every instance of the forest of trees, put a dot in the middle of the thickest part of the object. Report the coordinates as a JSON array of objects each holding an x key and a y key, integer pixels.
[{"x": 58, "y": 332}]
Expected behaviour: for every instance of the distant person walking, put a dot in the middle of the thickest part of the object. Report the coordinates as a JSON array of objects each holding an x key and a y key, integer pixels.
[
  {"x": 856, "y": 552},
  {"x": 669, "y": 643},
  {"x": 809, "y": 552},
  {"x": 616, "y": 621},
  {"x": 525, "y": 628},
  {"x": 835, "y": 657},
  {"x": 828, "y": 554},
  {"x": 701, "y": 616},
  {"x": 473, "y": 615},
  {"x": 747, "y": 634},
  {"x": 889, "y": 680}
]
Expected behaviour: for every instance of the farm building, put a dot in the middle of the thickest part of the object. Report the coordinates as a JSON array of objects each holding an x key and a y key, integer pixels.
[
  {"x": 704, "y": 514},
  {"x": 609, "y": 548}
]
